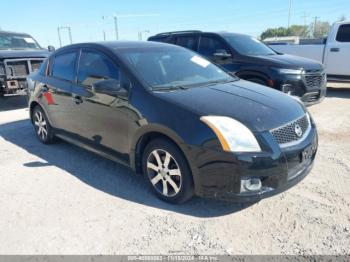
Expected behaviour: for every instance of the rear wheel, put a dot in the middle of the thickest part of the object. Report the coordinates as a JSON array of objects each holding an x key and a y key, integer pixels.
[
  {"x": 42, "y": 126},
  {"x": 167, "y": 171}
]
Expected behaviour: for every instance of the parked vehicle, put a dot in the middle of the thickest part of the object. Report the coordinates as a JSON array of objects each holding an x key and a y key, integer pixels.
[
  {"x": 172, "y": 115},
  {"x": 20, "y": 55},
  {"x": 252, "y": 60},
  {"x": 334, "y": 52}
]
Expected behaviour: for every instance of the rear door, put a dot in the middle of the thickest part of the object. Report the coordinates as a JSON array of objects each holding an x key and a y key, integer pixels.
[
  {"x": 57, "y": 96},
  {"x": 338, "y": 52},
  {"x": 187, "y": 41}
]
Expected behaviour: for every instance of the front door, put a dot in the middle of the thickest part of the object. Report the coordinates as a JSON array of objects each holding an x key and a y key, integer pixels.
[
  {"x": 101, "y": 120},
  {"x": 338, "y": 53}
]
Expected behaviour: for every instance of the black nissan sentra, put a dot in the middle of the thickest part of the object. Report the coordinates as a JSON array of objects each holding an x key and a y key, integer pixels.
[{"x": 170, "y": 114}]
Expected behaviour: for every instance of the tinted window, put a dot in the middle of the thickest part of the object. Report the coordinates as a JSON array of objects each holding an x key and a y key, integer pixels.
[
  {"x": 343, "y": 34},
  {"x": 187, "y": 41},
  {"x": 94, "y": 67},
  {"x": 64, "y": 66},
  {"x": 247, "y": 45},
  {"x": 208, "y": 46}
]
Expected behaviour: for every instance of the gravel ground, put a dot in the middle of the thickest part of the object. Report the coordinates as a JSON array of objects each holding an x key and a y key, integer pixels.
[{"x": 60, "y": 199}]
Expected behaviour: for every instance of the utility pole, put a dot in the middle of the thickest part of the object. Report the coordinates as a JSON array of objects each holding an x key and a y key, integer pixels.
[
  {"x": 69, "y": 34},
  {"x": 305, "y": 17},
  {"x": 315, "y": 23},
  {"x": 117, "y": 17},
  {"x": 290, "y": 7},
  {"x": 116, "y": 27},
  {"x": 59, "y": 36},
  {"x": 142, "y": 32}
]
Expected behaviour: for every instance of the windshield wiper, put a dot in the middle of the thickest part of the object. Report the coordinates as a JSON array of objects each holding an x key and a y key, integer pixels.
[
  {"x": 220, "y": 81},
  {"x": 169, "y": 87}
]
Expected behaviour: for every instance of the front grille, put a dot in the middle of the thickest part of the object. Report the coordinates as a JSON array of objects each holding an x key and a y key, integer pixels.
[
  {"x": 311, "y": 97},
  {"x": 286, "y": 134},
  {"x": 20, "y": 68},
  {"x": 314, "y": 79}
]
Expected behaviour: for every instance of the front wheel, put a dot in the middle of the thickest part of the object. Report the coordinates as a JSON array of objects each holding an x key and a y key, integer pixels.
[
  {"x": 42, "y": 126},
  {"x": 167, "y": 171}
]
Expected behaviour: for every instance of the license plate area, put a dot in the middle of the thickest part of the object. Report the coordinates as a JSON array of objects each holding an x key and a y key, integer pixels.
[{"x": 307, "y": 154}]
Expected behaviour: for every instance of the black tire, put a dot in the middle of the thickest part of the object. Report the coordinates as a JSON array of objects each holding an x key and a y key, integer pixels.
[
  {"x": 256, "y": 80},
  {"x": 42, "y": 127},
  {"x": 168, "y": 176}
]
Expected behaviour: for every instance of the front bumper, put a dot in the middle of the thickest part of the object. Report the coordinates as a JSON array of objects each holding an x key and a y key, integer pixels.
[
  {"x": 310, "y": 92},
  {"x": 220, "y": 173}
]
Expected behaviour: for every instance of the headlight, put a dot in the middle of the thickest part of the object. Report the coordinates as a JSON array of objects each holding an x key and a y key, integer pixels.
[
  {"x": 233, "y": 135},
  {"x": 286, "y": 71}
]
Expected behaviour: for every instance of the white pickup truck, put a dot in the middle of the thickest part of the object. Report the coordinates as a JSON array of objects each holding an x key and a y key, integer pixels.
[{"x": 334, "y": 53}]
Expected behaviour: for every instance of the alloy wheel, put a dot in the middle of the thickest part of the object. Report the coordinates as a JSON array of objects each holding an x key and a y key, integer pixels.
[
  {"x": 164, "y": 172},
  {"x": 41, "y": 125}
]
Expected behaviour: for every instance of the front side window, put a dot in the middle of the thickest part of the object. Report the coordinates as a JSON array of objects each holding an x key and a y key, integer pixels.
[
  {"x": 64, "y": 66},
  {"x": 343, "y": 34},
  {"x": 94, "y": 67},
  {"x": 187, "y": 41},
  {"x": 164, "y": 68},
  {"x": 208, "y": 46},
  {"x": 247, "y": 45}
]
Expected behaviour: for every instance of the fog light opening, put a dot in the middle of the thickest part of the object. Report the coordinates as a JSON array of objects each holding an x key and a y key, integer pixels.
[{"x": 250, "y": 184}]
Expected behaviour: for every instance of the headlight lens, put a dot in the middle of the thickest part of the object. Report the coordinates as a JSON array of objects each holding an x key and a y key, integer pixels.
[
  {"x": 286, "y": 71},
  {"x": 232, "y": 134}
]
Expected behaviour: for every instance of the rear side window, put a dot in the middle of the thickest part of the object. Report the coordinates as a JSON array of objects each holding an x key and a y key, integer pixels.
[
  {"x": 343, "y": 34},
  {"x": 187, "y": 41},
  {"x": 208, "y": 46},
  {"x": 94, "y": 67},
  {"x": 64, "y": 66}
]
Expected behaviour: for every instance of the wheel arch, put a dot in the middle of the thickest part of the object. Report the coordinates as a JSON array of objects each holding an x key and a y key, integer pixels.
[
  {"x": 246, "y": 74},
  {"x": 154, "y": 131},
  {"x": 32, "y": 105}
]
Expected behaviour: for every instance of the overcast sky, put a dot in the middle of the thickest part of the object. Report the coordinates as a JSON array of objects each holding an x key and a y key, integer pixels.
[{"x": 41, "y": 18}]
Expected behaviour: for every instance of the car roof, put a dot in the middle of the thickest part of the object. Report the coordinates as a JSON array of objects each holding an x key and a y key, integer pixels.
[
  {"x": 13, "y": 33},
  {"x": 114, "y": 46},
  {"x": 190, "y": 32}
]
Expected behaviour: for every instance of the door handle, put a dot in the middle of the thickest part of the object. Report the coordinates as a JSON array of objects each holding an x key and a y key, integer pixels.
[
  {"x": 77, "y": 99},
  {"x": 335, "y": 49}
]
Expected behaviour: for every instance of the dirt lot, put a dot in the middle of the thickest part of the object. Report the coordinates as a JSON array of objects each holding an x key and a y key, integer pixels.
[{"x": 61, "y": 199}]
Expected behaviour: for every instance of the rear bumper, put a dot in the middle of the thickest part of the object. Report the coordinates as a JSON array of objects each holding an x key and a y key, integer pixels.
[{"x": 220, "y": 173}]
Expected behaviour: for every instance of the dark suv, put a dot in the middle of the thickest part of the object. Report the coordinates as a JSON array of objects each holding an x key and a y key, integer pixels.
[{"x": 252, "y": 60}]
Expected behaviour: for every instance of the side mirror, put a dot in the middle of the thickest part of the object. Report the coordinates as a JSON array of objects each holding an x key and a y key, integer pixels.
[
  {"x": 110, "y": 87},
  {"x": 51, "y": 48},
  {"x": 222, "y": 53}
]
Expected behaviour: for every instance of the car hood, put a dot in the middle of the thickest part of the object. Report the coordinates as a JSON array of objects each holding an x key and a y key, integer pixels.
[
  {"x": 291, "y": 61},
  {"x": 258, "y": 107},
  {"x": 6, "y": 54}
]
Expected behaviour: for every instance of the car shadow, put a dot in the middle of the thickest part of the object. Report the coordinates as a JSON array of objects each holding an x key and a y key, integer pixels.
[
  {"x": 12, "y": 102},
  {"x": 338, "y": 92},
  {"x": 103, "y": 174}
]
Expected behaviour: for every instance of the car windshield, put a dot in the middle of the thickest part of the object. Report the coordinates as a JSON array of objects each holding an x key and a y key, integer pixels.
[
  {"x": 167, "y": 68},
  {"x": 248, "y": 45},
  {"x": 11, "y": 41}
]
